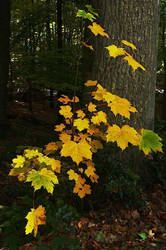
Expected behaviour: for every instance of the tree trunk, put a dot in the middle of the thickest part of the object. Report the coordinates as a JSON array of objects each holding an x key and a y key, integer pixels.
[
  {"x": 136, "y": 22},
  {"x": 4, "y": 62}
]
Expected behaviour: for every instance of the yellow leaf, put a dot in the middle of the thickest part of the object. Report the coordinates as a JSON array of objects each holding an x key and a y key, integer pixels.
[
  {"x": 77, "y": 151},
  {"x": 129, "y": 44},
  {"x": 133, "y": 63},
  {"x": 108, "y": 97},
  {"x": 56, "y": 165},
  {"x": 114, "y": 51},
  {"x": 81, "y": 124},
  {"x": 88, "y": 46},
  {"x": 98, "y": 94},
  {"x": 123, "y": 136},
  {"x": 64, "y": 137},
  {"x": 72, "y": 175},
  {"x": 64, "y": 98},
  {"x": 97, "y": 29},
  {"x": 80, "y": 113},
  {"x": 18, "y": 162},
  {"x": 91, "y": 83},
  {"x": 81, "y": 170},
  {"x": 99, "y": 117},
  {"x": 30, "y": 153},
  {"x": 35, "y": 218},
  {"x": 121, "y": 106},
  {"x": 59, "y": 127},
  {"x": 66, "y": 111},
  {"x": 91, "y": 107},
  {"x": 151, "y": 234}
]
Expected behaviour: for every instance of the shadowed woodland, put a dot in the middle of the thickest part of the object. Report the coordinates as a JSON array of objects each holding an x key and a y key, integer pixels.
[{"x": 52, "y": 56}]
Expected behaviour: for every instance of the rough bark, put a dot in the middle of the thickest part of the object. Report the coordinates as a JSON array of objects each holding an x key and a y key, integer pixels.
[
  {"x": 137, "y": 22},
  {"x": 4, "y": 62}
]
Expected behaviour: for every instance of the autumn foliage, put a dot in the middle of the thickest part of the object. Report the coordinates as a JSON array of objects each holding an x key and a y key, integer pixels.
[{"x": 82, "y": 134}]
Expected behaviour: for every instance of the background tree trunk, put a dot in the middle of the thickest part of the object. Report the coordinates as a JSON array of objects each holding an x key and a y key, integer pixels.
[
  {"x": 4, "y": 62},
  {"x": 136, "y": 22}
]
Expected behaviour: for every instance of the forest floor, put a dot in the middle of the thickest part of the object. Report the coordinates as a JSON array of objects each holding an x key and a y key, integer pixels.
[{"x": 112, "y": 226}]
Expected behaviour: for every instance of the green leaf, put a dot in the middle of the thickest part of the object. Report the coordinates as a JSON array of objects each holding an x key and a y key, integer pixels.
[
  {"x": 44, "y": 178},
  {"x": 92, "y": 10},
  {"x": 150, "y": 141},
  {"x": 86, "y": 15},
  {"x": 143, "y": 236}
]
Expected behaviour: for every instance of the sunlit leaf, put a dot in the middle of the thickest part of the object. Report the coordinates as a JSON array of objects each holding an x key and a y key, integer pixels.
[
  {"x": 77, "y": 151},
  {"x": 35, "y": 218},
  {"x": 133, "y": 63},
  {"x": 129, "y": 44},
  {"x": 97, "y": 30},
  {"x": 66, "y": 111},
  {"x": 123, "y": 136},
  {"x": 81, "y": 124},
  {"x": 114, "y": 51}
]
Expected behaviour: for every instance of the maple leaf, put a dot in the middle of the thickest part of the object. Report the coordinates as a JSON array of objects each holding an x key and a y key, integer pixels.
[
  {"x": 75, "y": 99},
  {"x": 129, "y": 44},
  {"x": 150, "y": 141},
  {"x": 30, "y": 153},
  {"x": 87, "y": 46},
  {"x": 108, "y": 97},
  {"x": 97, "y": 29},
  {"x": 114, "y": 51},
  {"x": 91, "y": 107},
  {"x": 72, "y": 175},
  {"x": 98, "y": 94},
  {"x": 77, "y": 151},
  {"x": 133, "y": 63},
  {"x": 123, "y": 136},
  {"x": 86, "y": 15},
  {"x": 81, "y": 124},
  {"x": 80, "y": 113},
  {"x": 84, "y": 136},
  {"x": 64, "y": 137},
  {"x": 66, "y": 111},
  {"x": 121, "y": 106},
  {"x": 94, "y": 178},
  {"x": 59, "y": 127},
  {"x": 44, "y": 178},
  {"x": 18, "y": 162},
  {"x": 82, "y": 190},
  {"x": 93, "y": 130},
  {"x": 90, "y": 83},
  {"x": 64, "y": 98},
  {"x": 35, "y": 218},
  {"x": 90, "y": 171},
  {"x": 54, "y": 164},
  {"x": 51, "y": 146},
  {"x": 99, "y": 117}
]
